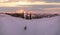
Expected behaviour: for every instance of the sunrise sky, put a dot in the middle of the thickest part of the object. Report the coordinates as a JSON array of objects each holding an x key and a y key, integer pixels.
[{"x": 16, "y": 3}]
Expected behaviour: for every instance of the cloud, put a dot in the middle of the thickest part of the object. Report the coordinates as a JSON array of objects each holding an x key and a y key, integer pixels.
[
  {"x": 41, "y": 0},
  {"x": 3, "y": 0},
  {"x": 20, "y": 0},
  {"x": 13, "y": 0},
  {"x": 56, "y": 1},
  {"x": 49, "y": 1},
  {"x": 44, "y": 0},
  {"x": 13, "y": 3},
  {"x": 9, "y": 0},
  {"x": 34, "y": 0}
]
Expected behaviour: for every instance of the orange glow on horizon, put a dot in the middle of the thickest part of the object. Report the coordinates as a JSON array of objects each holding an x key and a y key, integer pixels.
[{"x": 20, "y": 11}]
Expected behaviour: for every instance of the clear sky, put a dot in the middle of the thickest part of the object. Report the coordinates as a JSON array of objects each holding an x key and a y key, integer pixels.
[{"x": 15, "y": 3}]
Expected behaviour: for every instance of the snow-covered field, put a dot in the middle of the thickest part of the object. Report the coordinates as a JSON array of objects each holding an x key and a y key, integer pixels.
[{"x": 16, "y": 26}]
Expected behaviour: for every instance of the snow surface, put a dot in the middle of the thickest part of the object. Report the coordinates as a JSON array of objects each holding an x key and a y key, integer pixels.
[{"x": 15, "y": 26}]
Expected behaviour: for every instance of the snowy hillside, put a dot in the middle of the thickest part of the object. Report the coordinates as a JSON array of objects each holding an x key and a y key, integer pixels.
[{"x": 17, "y": 26}]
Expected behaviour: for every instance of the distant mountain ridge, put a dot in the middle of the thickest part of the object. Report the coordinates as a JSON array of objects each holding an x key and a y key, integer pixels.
[{"x": 27, "y": 8}]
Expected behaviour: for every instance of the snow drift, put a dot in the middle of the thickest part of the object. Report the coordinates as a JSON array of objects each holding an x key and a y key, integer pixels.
[{"x": 17, "y": 26}]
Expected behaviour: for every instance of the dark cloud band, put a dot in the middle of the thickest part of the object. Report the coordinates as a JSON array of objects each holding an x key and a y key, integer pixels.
[
  {"x": 44, "y": 0},
  {"x": 52, "y": 1}
]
